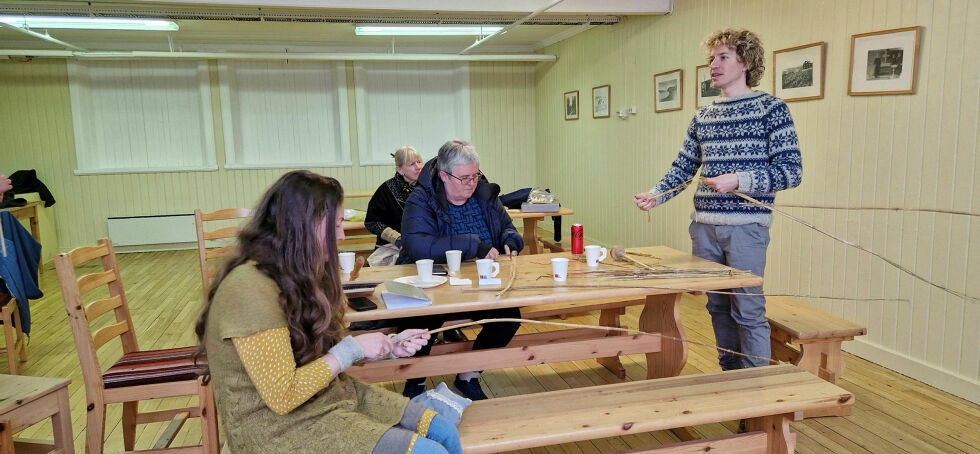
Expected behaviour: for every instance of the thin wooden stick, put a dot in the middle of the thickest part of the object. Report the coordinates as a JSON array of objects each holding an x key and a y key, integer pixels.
[
  {"x": 858, "y": 246},
  {"x": 641, "y": 254},
  {"x": 864, "y": 208},
  {"x": 576, "y": 325},
  {"x": 683, "y": 289},
  {"x": 618, "y": 253},
  {"x": 679, "y": 187},
  {"x": 513, "y": 277}
]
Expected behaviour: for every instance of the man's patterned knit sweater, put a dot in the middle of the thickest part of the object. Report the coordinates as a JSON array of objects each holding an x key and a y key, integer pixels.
[{"x": 751, "y": 135}]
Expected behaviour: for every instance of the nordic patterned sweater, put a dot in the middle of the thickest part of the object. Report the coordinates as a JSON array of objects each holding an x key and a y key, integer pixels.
[{"x": 751, "y": 135}]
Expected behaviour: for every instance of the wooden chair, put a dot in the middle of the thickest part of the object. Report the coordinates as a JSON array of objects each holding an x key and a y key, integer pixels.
[
  {"x": 14, "y": 343},
  {"x": 137, "y": 375},
  {"x": 200, "y": 218}
]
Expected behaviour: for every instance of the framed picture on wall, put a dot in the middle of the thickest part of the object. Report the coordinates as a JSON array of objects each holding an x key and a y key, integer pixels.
[
  {"x": 884, "y": 63},
  {"x": 668, "y": 91},
  {"x": 600, "y": 101},
  {"x": 797, "y": 72},
  {"x": 571, "y": 105},
  {"x": 704, "y": 90}
]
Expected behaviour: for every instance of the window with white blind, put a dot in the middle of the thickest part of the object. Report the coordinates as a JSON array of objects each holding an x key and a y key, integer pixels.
[
  {"x": 422, "y": 104},
  {"x": 284, "y": 114},
  {"x": 141, "y": 116}
]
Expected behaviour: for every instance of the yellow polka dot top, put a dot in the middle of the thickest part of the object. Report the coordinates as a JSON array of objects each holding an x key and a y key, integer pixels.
[{"x": 268, "y": 360}]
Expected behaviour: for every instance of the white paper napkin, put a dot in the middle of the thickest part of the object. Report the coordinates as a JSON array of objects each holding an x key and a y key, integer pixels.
[{"x": 459, "y": 281}]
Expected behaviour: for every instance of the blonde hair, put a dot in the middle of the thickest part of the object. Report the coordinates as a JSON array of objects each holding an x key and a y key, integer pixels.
[
  {"x": 405, "y": 155},
  {"x": 748, "y": 48}
]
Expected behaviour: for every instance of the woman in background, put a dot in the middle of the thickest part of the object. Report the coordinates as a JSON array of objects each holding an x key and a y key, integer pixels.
[
  {"x": 384, "y": 212},
  {"x": 273, "y": 333}
]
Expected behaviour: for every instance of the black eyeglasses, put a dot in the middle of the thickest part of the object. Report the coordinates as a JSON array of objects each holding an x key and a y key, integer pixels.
[{"x": 468, "y": 180}]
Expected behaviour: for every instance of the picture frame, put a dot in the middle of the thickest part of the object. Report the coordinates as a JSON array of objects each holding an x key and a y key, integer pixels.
[
  {"x": 798, "y": 72},
  {"x": 704, "y": 91},
  {"x": 884, "y": 62},
  {"x": 570, "y": 105},
  {"x": 668, "y": 90},
  {"x": 600, "y": 101}
]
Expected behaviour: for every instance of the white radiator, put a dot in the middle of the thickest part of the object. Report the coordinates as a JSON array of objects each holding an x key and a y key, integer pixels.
[{"x": 145, "y": 230}]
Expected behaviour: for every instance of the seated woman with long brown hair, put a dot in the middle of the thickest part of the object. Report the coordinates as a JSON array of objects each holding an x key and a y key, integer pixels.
[{"x": 273, "y": 333}]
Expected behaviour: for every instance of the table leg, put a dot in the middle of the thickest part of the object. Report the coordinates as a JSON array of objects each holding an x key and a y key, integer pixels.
[
  {"x": 61, "y": 423},
  {"x": 531, "y": 236},
  {"x": 610, "y": 317},
  {"x": 662, "y": 313}
]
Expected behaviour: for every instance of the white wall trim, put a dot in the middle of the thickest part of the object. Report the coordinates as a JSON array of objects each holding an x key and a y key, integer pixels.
[{"x": 931, "y": 375}]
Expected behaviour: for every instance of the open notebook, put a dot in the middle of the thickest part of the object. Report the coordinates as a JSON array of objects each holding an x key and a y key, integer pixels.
[{"x": 397, "y": 295}]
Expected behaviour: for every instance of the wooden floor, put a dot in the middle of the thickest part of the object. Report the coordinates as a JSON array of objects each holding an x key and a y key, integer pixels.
[{"x": 893, "y": 414}]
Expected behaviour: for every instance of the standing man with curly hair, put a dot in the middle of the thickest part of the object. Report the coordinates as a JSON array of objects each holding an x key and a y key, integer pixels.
[{"x": 744, "y": 141}]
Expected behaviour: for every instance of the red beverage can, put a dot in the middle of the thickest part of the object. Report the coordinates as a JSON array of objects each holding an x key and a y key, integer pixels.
[{"x": 578, "y": 239}]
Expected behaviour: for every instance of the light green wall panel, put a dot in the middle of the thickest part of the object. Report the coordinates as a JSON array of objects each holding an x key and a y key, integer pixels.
[
  {"x": 36, "y": 133},
  {"x": 914, "y": 151}
]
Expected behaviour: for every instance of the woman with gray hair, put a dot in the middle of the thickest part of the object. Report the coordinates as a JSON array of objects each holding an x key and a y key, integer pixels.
[
  {"x": 456, "y": 208},
  {"x": 384, "y": 211}
]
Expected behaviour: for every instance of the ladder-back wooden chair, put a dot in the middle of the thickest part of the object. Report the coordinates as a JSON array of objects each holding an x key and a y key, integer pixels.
[
  {"x": 14, "y": 343},
  {"x": 203, "y": 236},
  {"x": 137, "y": 375}
]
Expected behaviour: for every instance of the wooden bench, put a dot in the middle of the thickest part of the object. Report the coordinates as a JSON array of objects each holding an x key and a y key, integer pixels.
[
  {"x": 809, "y": 337},
  {"x": 768, "y": 398}
]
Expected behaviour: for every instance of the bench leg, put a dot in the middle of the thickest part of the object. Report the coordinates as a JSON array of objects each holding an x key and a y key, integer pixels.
[
  {"x": 610, "y": 317},
  {"x": 662, "y": 313},
  {"x": 822, "y": 359},
  {"x": 780, "y": 439}
]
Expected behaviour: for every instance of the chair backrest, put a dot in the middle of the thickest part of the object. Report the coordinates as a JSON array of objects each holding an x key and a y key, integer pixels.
[
  {"x": 205, "y": 254},
  {"x": 81, "y": 315}
]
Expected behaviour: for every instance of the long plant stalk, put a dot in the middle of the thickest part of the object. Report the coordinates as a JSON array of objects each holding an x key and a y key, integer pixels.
[
  {"x": 597, "y": 327},
  {"x": 858, "y": 246}
]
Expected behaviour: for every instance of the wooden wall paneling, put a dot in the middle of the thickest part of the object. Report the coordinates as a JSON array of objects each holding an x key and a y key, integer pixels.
[{"x": 912, "y": 150}]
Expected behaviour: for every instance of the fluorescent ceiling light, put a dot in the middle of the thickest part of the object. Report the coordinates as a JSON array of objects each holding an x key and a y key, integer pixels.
[
  {"x": 94, "y": 23},
  {"x": 391, "y": 30}
]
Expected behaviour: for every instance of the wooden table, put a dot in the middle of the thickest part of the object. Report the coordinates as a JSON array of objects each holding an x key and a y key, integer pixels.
[
  {"x": 355, "y": 228},
  {"x": 531, "y": 227},
  {"x": 358, "y": 194},
  {"x": 25, "y": 401},
  {"x": 661, "y": 313}
]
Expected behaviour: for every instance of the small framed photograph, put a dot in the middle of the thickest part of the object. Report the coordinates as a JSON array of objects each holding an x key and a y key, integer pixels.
[
  {"x": 669, "y": 93},
  {"x": 600, "y": 101},
  {"x": 571, "y": 105},
  {"x": 704, "y": 90},
  {"x": 884, "y": 63},
  {"x": 797, "y": 73}
]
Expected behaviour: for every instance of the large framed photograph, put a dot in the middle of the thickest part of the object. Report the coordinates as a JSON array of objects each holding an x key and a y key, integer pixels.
[
  {"x": 600, "y": 101},
  {"x": 704, "y": 90},
  {"x": 884, "y": 63},
  {"x": 571, "y": 105},
  {"x": 798, "y": 72},
  {"x": 669, "y": 91}
]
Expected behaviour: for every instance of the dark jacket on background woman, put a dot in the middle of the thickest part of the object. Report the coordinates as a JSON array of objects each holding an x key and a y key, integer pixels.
[{"x": 387, "y": 206}]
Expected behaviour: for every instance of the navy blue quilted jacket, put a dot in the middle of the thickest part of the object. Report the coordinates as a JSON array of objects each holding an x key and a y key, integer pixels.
[{"x": 425, "y": 224}]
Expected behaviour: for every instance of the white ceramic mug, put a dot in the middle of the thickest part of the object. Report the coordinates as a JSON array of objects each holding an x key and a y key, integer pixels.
[
  {"x": 453, "y": 258},
  {"x": 487, "y": 268},
  {"x": 594, "y": 254},
  {"x": 346, "y": 262},
  {"x": 424, "y": 267},
  {"x": 559, "y": 268}
]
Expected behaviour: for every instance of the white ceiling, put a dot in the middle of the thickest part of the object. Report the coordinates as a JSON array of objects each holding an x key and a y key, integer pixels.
[{"x": 320, "y": 26}]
